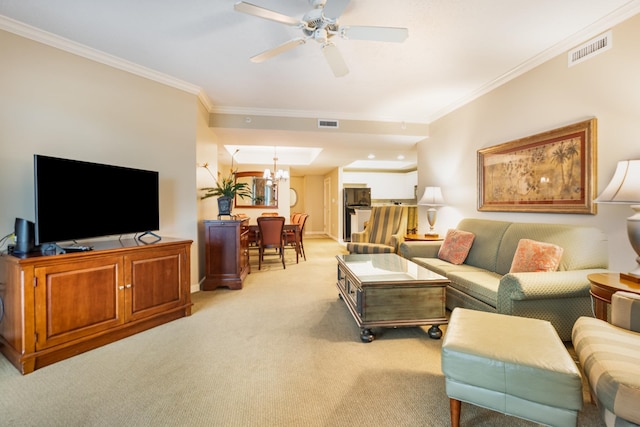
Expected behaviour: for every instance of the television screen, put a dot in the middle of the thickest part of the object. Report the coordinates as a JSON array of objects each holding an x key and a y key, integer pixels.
[{"x": 79, "y": 200}]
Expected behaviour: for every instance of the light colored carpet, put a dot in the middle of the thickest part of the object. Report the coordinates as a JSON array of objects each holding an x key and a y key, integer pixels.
[{"x": 283, "y": 351}]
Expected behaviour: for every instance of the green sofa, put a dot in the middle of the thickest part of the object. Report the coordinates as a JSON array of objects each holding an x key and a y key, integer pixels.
[{"x": 483, "y": 281}]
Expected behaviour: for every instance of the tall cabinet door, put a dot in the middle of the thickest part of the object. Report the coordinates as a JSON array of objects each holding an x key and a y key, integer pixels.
[
  {"x": 155, "y": 282},
  {"x": 77, "y": 298}
]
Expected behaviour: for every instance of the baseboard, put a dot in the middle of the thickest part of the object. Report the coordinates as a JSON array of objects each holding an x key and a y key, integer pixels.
[{"x": 195, "y": 287}]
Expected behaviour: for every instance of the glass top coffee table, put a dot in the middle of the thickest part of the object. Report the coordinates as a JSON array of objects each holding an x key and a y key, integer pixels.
[{"x": 387, "y": 290}]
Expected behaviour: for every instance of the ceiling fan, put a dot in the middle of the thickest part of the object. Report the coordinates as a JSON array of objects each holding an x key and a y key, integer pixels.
[{"x": 321, "y": 24}]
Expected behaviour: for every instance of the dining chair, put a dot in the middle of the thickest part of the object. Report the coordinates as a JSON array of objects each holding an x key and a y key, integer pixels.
[
  {"x": 293, "y": 237},
  {"x": 270, "y": 236},
  {"x": 252, "y": 237},
  {"x": 295, "y": 217},
  {"x": 302, "y": 221}
]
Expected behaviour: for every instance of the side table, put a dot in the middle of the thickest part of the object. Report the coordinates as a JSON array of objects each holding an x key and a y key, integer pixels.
[{"x": 603, "y": 285}]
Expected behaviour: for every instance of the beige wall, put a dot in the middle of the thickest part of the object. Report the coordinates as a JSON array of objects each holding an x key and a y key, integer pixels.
[
  {"x": 206, "y": 153},
  {"x": 550, "y": 96},
  {"x": 314, "y": 204},
  {"x": 297, "y": 184},
  {"x": 59, "y": 104},
  {"x": 336, "y": 203}
]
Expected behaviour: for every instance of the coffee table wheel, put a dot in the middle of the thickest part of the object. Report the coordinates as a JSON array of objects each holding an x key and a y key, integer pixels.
[
  {"x": 435, "y": 332},
  {"x": 366, "y": 335}
]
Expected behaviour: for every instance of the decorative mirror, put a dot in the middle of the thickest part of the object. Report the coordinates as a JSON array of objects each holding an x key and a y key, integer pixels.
[
  {"x": 262, "y": 194},
  {"x": 293, "y": 197}
]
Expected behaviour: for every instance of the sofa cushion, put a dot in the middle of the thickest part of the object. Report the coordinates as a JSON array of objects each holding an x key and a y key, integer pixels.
[
  {"x": 443, "y": 267},
  {"x": 456, "y": 246},
  {"x": 584, "y": 247},
  {"x": 534, "y": 256},
  {"x": 488, "y": 236},
  {"x": 482, "y": 285}
]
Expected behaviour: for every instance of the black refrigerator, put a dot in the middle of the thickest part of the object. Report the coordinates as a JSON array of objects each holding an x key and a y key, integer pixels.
[{"x": 353, "y": 198}]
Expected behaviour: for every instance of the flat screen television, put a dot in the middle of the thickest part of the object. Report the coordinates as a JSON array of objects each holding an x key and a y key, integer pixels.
[{"x": 79, "y": 200}]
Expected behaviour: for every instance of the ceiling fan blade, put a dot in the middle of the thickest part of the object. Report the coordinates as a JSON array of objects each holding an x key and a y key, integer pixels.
[
  {"x": 261, "y": 12},
  {"x": 278, "y": 50},
  {"x": 335, "y": 60},
  {"x": 382, "y": 34},
  {"x": 334, "y": 8}
]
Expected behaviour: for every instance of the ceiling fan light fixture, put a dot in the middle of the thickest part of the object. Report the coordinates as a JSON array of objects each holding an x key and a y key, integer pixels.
[
  {"x": 321, "y": 23},
  {"x": 334, "y": 58},
  {"x": 320, "y": 35}
]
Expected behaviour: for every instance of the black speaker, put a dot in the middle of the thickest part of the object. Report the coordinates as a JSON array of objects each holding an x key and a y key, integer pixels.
[{"x": 25, "y": 236}]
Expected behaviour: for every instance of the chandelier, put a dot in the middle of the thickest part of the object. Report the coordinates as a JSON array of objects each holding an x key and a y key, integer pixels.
[{"x": 278, "y": 174}]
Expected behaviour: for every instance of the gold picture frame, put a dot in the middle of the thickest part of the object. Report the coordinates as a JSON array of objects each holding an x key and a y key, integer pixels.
[{"x": 551, "y": 172}]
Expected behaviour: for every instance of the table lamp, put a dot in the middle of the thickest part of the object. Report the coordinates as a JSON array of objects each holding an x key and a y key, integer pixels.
[
  {"x": 432, "y": 198},
  {"x": 624, "y": 188}
]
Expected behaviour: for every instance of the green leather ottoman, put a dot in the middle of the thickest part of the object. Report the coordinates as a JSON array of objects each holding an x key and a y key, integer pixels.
[{"x": 514, "y": 365}]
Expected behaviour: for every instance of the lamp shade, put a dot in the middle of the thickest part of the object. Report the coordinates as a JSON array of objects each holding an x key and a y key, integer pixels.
[
  {"x": 624, "y": 187},
  {"x": 432, "y": 197}
]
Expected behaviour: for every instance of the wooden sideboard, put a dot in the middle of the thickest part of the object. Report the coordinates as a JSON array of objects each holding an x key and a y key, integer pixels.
[
  {"x": 60, "y": 305},
  {"x": 226, "y": 253}
]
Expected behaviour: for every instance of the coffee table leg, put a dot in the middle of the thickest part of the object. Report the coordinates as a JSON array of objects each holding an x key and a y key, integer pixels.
[
  {"x": 435, "y": 332},
  {"x": 366, "y": 335}
]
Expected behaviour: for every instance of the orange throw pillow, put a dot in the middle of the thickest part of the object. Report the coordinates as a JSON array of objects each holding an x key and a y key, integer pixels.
[
  {"x": 533, "y": 256},
  {"x": 456, "y": 246}
]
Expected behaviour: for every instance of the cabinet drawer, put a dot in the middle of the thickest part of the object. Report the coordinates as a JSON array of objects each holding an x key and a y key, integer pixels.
[
  {"x": 399, "y": 303},
  {"x": 350, "y": 289},
  {"x": 353, "y": 293}
]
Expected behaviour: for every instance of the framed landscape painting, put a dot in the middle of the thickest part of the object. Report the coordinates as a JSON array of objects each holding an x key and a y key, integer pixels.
[{"x": 551, "y": 172}]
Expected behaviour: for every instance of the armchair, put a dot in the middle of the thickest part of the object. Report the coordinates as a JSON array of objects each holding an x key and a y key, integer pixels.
[
  {"x": 383, "y": 233},
  {"x": 610, "y": 356}
]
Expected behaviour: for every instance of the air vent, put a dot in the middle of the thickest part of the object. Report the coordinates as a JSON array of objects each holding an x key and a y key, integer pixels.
[
  {"x": 590, "y": 49},
  {"x": 331, "y": 124}
]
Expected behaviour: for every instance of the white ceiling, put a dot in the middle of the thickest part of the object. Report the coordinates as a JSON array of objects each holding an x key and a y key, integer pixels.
[{"x": 456, "y": 50}]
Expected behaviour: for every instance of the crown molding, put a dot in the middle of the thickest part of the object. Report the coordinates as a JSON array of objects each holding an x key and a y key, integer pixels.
[
  {"x": 44, "y": 37},
  {"x": 206, "y": 101},
  {"x": 614, "y": 18}
]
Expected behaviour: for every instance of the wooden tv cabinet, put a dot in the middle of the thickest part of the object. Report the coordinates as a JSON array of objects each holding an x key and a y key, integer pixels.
[{"x": 60, "y": 305}]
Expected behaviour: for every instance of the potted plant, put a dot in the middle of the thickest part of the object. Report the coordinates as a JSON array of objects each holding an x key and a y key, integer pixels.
[{"x": 226, "y": 189}]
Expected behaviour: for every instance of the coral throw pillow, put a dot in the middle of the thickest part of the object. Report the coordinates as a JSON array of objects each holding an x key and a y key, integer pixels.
[
  {"x": 536, "y": 256},
  {"x": 456, "y": 246}
]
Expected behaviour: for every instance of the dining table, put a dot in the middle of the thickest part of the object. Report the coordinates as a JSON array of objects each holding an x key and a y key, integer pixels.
[{"x": 253, "y": 228}]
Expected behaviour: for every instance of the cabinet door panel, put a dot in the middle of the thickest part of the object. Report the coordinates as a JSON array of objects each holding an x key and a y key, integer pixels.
[
  {"x": 77, "y": 299},
  {"x": 11, "y": 319},
  {"x": 244, "y": 249},
  {"x": 223, "y": 251},
  {"x": 154, "y": 282}
]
